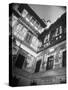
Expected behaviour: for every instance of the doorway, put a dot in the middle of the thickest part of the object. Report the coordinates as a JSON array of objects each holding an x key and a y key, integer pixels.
[
  {"x": 37, "y": 66},
  {"x": 20, "y": 61},
  {"x": 50, "y": 63},
  {"x": 64, "y": 59}
]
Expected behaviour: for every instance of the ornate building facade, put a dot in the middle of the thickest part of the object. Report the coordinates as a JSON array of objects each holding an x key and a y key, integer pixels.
[{"x": 38, "y": 53}]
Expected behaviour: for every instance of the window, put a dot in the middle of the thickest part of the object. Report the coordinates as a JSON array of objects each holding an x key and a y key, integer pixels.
[
  {"x": 32, "y": 21},
  {"x": 24, "y": 13},
  {"x": 28, "y": 38},
  {"x": 30, "y": 61},
  {"x": 40, "y": 29},
  {"x": 58, "y": 57},
  {"x": 28, "y": 17},
  {"x": 57, "y": 32},
  {"x": 37, "y": 24},
  {"x": 60, "y": 29},
  {"x": 14, "y": 21},
  {"x": 34, "y": 43},
  {"x": 24, "y": 33},
  {"x": 46, "y": 38},
  {"x": 18, "y": 43},
  {"x": 17, "y": 28}
]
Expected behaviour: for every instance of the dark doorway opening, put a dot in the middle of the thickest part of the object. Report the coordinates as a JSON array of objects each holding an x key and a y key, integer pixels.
[
  {"x": 33, "y": 83},
  {"x": 50, "y": 63},
  {"x": 20, "y": 61},
  {"x": 38, "y": 66},
  {"x": 64, "y": 59}
]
